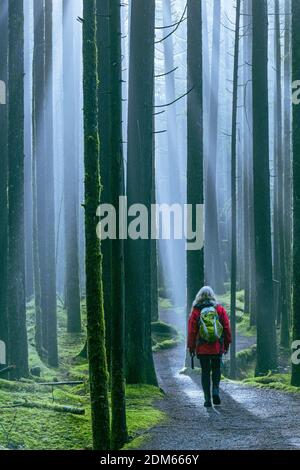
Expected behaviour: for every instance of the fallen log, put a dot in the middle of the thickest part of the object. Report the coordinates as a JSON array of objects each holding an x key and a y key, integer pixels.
[
  {"x": 58, "y": 384},
  {"x": 46, "y": 406}
]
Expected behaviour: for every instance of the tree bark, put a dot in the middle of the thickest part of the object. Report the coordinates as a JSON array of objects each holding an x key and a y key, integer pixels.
[
  {"x": 234, "y": 194},
  {"x": 195, "y": 184},
  {"x": 139, "y": 360},
  {"x": 49, "y": 187},
  {"x": 71, "y": 186},
  {"x": 3, "y": 173},
  {"x": 266, "y": 334},
  {"x": 104, "y": 121},
  {"x": 282, "y": 313},
  {"x": 213, "y": 257},
  {"x": 94, "y": 290},
  {"x": 287, "y": 156},
  {"x": 37, "y": 149},
  {"x": 17, "y": 346},
  {"x": 119, "y": 435},
  {"x": 295, "y": 380}
]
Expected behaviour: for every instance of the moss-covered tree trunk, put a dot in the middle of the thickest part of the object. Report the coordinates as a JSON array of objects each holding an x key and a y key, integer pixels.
[
  {"x": 266, "y": 334},
  {"x": 296, "y": 186},
  {"x": 94, "y": 290},
  {"x": 71, "y": 185},
  {"x": 17, "y": 346},
  {"x": 139, "y": 359},
  {"x": 3, "y": 172},
  {"x": 119, "y": 429},
  {"x": 104, "y": 121}
]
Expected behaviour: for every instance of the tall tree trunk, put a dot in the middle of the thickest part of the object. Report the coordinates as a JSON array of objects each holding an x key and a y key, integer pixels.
[
  {"x": 28, "y": 153},
  {"x": 246, "y": 155},
  {"x": 17, "y": 347},
  {"x": 282, "y": 313},
  {"x": 175, "y": 248},
  {"x": 70, "y": 175},
  {"x": 140, "y": 365},
  {"x": 234, "y": 193},
  {"x": 296, "y": 187},
  {"x": 287, "y": 156},
  {"x": 195, "y": 185},
  {"x": 94, "y": 290},
  {"x": 104, "y": 121},
  {"x": 277, "y": 255},
  {"x": 119, "y": 429},
  {"x": 213, "y": 258},
  {"x": 37, "y": 150},
  {"x": 3, "y": 172},
  {"x": 266, "y": 334},
  {"x": 41, "y": 176},
  {"x": 49, "y": 188}
]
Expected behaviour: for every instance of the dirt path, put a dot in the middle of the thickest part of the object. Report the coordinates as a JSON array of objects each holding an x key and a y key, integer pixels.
[{"x": 249, "y": 418}]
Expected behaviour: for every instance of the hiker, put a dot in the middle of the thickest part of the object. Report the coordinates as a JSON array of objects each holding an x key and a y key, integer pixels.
[{"x": 209, "y": 337}]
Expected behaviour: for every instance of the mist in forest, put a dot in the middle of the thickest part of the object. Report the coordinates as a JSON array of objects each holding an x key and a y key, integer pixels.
[
  {"x": 170, "y": 132},
  {"x": 168, "y": 103}
]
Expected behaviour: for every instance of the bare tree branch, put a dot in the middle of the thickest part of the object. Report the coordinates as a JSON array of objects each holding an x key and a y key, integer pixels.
[
  {"x": 166, "y": 73},
  {"x": 175, "y": 101},
  {"x": 175, "y": 29}
]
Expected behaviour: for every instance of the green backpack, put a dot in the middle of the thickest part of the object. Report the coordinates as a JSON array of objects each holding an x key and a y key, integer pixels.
[{"x": 210, "y": 328}]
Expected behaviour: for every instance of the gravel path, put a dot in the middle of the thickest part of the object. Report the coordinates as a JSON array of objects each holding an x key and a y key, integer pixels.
[{"x": 249, "y": 418}]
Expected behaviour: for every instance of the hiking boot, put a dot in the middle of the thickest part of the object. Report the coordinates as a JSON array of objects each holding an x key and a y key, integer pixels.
[
  {"x": 216, "y": 400},
  {"x": 207, "y": 404}
]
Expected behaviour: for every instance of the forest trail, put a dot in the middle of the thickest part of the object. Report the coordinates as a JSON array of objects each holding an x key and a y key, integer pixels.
[{"x": 249, "y": 418}]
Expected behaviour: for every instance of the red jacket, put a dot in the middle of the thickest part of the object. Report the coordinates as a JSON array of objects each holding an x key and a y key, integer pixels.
[{"x": 208, "y": 348}]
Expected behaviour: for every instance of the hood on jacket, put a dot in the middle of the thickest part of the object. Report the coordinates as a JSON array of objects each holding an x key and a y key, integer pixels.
[{"x": 205, "y": 304}]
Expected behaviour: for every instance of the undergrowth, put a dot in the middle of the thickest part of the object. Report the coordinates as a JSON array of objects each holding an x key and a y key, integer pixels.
[
  {"x": 46, "y": 429},
  {"x": 164, "y": 336}
]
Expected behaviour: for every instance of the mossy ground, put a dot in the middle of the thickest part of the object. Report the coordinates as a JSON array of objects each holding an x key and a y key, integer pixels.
[
  {"x": 165, "y": 304},
  {"x": 242, "y": 318},
  {"x": 281, "y": 382},
  {"x": 41, "y": 429},
  {"x": 165, "y": 336},
  {"x": 246, "y": 359}
]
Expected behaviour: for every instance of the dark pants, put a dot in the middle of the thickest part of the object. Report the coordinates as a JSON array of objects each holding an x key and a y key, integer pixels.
[{"x": 211, "y": 371}]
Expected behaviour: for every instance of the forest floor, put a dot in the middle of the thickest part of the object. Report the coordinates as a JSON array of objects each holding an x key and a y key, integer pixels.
[
  {"x": 249, "y": 417},
  {"x": 42, "y": 427}
]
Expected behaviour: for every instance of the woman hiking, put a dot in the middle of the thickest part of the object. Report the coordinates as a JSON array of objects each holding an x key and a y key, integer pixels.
[{"x": 209, "y": 336}]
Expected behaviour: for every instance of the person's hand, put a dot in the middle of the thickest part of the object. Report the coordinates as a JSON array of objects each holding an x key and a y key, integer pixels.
[{"x": 192, "y": 353}]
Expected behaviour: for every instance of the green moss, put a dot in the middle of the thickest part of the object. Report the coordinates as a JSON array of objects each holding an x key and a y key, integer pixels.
[
  {"x": 136, "y": 443},
  {"x": 141, "y": 414},
  {"x": 280, "y": 382},
  {"x": 43, "y": 429},
  {"x": 165, "y": 336},
  {"x": 164, "y": 304},
  {"x": 242, "y": 318},
  {"x": 245, "y": 363}
]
